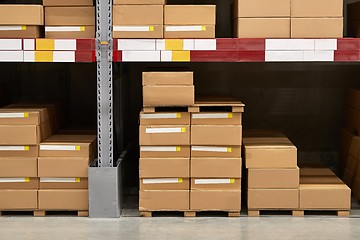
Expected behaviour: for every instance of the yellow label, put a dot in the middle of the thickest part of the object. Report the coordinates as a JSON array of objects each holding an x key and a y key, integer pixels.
[
  {"x": 174, "y": 44},
  {"x": 45, "y": 44},
  {"x": 151, "y": 28},
  {"x": 230, "y": 115},
  {"x": 183, "y": 130},
  {"x": 26, "y": 148},
  {"x": 77, "y": 148},
  {"x": 229, "y": 150},
  {"x": 181, "y": 56},
  {"x": 26, "y": 115},
  {"x": 178, "y": 115},
  {"x": 232, "y": 180},
  {"x": 23, "y": 28},
  {"x": 44, "y": 56},
  {"x": 178, "y": 149},
  {"x": 104, "y": 42},
  {"x": 82, "y": 29},
  {"x": 77, "y": 179},
  {"x": 27, "y": 179},
  {"x": 203, "y": 28},
  {"x": 180, "y": 180}
]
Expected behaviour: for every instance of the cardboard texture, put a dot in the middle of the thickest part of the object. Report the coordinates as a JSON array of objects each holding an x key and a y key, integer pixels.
[
  {"x": 25, "y": 32},
  {"x": 162, "y": 135},
  {"x": 66, "y": 183},
  {"x": 203, "y": 31},
  {"x": 70, "y": 16},
  {"x": 262, "y": 8},
  {"x": 168, "y": 95},
  {"x": 137, "y": 15},
  {"x": 18, "y": 199},
  {"x": 139, "y": 2},
  {"x": 215, "y": 167},
  {"x": 23, "y": 116},
  {"x": 353, "y": 97},
  {"x": 318, "y": 8},
  {"x": 316, "y": 27},
  {"x": 215, "y": 183},
  {"x": 190, "y": 14},
  {"x": 164, "y": 200},
  {"x": 216, "y": 151},
  {"x": 219, "y": 118},
  {"x": 216, "y": 135},
  {"x": 262, "y": 27},
  {"x": 18, "y": 167},
  {"x": 228, "y": 200},
  {"x": 19, "y": 151},
  {"x": 167, "y": 78},
  {"x": 320, "y": 180},
  {"x": 21, "y": 14},
  {"x": 59, "y": 167},
  {"x": 256, "y": 133},
  {"x": 325, "y": 196},
  {"x": 19, "y": 183},
  {"x": 316, "y": 172},
  {"x": 164, "y": 151},
  {"x": 164, "y": 167},
  {"x": 86, "y": 32},
  {"x": 164, "y": 184},
  {"x": 273, "y": 199},
  {"x": 166, "y": 118},
  {"x": 269, "y": 153},
  {"x": 19, "y": 134},
  {"x": 154, "y": 31},
  {"x": 64, "y": 3},
  {"x": 273, "y": 178},
  {"x": 68, "y": 199}
]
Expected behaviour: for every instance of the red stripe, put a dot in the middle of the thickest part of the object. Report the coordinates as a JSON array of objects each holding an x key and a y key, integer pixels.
[
  {"x": 347, "y": 55},
  {"x": 85, "y": 44},
  {"x": 115, "y": 44},
  {"x": 251, "y": 56},
  {"x": 117, "y": 56},
  {"x": 85, "y": 56},
  {"x": 348, "y": 44},
  {"x": 213, "y": 56},
  {"x": 251, "y": 44},
  {"x": 227, "y": 44}
]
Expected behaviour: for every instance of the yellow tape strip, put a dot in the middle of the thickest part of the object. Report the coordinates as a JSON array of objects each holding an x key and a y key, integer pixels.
[
  {"x": 174, "y": 44},
  {"x": 77, "y": 180},
  {"x": 45, "y": 44},
  {"x": 180, "y": 180},
  {"x": 229, "y": 150},
  {"x": 27, "y": 179},
  {"x": 232, "y": 180},
  {"x": 181, "y": 56},
  {"x": 77, "y": 148},
  {"x": 178, "y": 149},
  {"x": 178, "y": 115},
  {"x": 82, "y": 29},
  {"x": 23, "y": 28},
  {"x": 183, "y": 130},
  {"x": 151, "y": 28},
  {"x": 44, "y": 56},
  {"x": 27, "y": 148},
  {"x": 26, "y": 115},
  {"x": 230, "y": 115}
]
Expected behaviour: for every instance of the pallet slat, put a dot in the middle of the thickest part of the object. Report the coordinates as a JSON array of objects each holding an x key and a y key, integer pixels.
[
  {"x": 298, "y": 213},
  {"x": 43, "y": 213},
  {"x": 190, "y": 213}
]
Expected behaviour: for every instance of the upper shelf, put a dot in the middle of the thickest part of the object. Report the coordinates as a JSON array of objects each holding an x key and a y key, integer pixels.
[{"x": 237, "y": 50}]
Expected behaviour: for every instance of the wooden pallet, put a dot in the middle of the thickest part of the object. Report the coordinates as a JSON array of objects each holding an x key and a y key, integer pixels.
[
  {"x": 190, "y": 213},
  {"x": 42, "y": 213},
  {"x": 259, "y": 212},
  {"x": 299, "y": 213},
  {"x": 339, "y": 213}
]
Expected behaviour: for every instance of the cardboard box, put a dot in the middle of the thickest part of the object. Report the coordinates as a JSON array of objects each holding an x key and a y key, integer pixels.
[
  {"x": 316, "y": 172},
  {"x": 345, "y": 141},
  {"x": 352, "y": 163},
  {"x": 256, "y": 133},
  {"x": 21, "y": 32},
  {"x": 23, "y": 116},
  {"x": 316, "y": 27},
  {"x": 173, "y": 183},
  {"x": 262, "y": 8},
  {"x": 216, "y": 118},
  {"x": 148, "y": 31},
  {"x": 70, "y": 16},
  {"x": 262, "y": 27},
  {"x": 273, "y": 199},
  {"x": 19, "y": 151},
  {"x": 21, "y": 14},
  {"x": 19, "y": 183},
  {"x": 138, "y": 15},
  {"x": 18, "y": 199},
  {"x": 69, "y": 199},
  {"x": 273, "y": 178},
  {"x": 164, "y": 200},
  {"x": 215, "y": 167},
  {"x": 320, "y": 180},
  {"x": 189, "y": 31},
  {"x": 353, "y": 98},
  {"x": 139, "y": 2},
  {"x": 166, "y": 118},
  {"x": 63, "y": 167},
  {"x": 63, "y": 183},
  {"x": 356, "y": 188},
  {"x": 168, "y": 95},
  {"x": 164, "y": 167},
  {"x": 162, "y": 135},
  {"x": 348, "y": 177},
  {"x": 18, "y": 167},
  {"x": 216, "y": 151},
  {"x": 68, "y": 146},
  {"x": 228, "y": 200},
  {"x": 167, "y": 78},
  {"x": 215, "y": 183},
  {"x": 190, "y": 15},
  {"x": 55, "y": 32},
  {"x": 325, "y": 196},
  {"x": 165, "y": 151},
  {"x": 269, "y": 153},
  {"x": 20, "y": 135},
  {"x": 66, "y": 3},
  {"x": 216, "y": 135},
  {"x": 318, "y": 8}
]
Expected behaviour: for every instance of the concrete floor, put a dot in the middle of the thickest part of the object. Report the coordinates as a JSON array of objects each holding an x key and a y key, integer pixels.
[{"x": 128, "y": 228}]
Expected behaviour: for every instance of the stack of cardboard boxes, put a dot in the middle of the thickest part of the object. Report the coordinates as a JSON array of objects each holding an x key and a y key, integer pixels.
[
  {"x": 69, "y": 19},
  {"x": 352, "y": 161}
]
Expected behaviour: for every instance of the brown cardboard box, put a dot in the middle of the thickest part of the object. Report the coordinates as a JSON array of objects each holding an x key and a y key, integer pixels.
[
  {"x": 356, "y": 188},
  {"x": 190, "y": 15},
  {"x": 316, "y": 27},
  {"x": 164, "y": 200},
  {"x": 226, "y": 200},
  {"x": 22, "y": 32},
  {"x": 19, "y": 183},
  {"x": 353, "y": 97},
  {"x": 348, "y": 177},
  {"x": 168, "y": 95},
  {"x": 21, "y": 14},
  {"x": 19, "y": 135},
  {"x": 166, "y": 118},
  {"x": 63, "y": 167},
  {"x": 19, "y": 151},
  {"x": 218, "y": 118},
  {"x": 352, "y": 163},
  {"x": 66, "y": 3},
  {"x": 261, "y": 8},
  {"x": 63, "y": 183},
  {"x": 269, "y": 153},
  {"x": 161, "y": 135},
  {"x": 325, "y": 196},
  {"x": 273, "y": 199},
  {"x": 216, "y": 183},
  {"x": 18, "y": 199},
  {"x": 188, "y": 31},
  {"x": 164, "y": 167},
  {"x": 318, "y": 8},
  {"x": 68, "y": 146},
  {"x": 63, "y": 199},
  {"x": 139, "y": 2},
  {"x": 256, "y": 133},
  {"x": 70, "y": 16},
  {"x": 165, "y": 151},
  {"x": 345, "y": 142},
  {"x": 80, "y": 32},
  {"x": 262, "y": 27},
  {"x": 167, "y": 78},
  {"x": 216, "y": 135},
  {"x": 173, "y": 183},
  {"x": 216, "y": 151},
  {"x": 215, "y": 167},
  {"x": 137, "y": 15},
  {"x": 23, "y": 116},
  {"x": 273, "y": 178},
  {"x": 149, "y": 31},
  {"x": 320, "y": 180},
  {"x": 316, "y": 172},
  {"x": 18, "y": 167}
]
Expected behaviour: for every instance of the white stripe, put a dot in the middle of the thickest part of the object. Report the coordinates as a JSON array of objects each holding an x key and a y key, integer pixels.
[
  {"x": 163, "y": 130},
  {"x": 210, "y": 116},
  {"x": 65, "y": 44},
  {"x": 183, "y": 28},
  {"x": 160, "y": 180},
  {"x": 64, "y": 56},
  {"x": 57, "y": 180},
  {"x": 12, "y": 115},
  {"x": 141, "y": 56},
  {"x": 12, "y": 180},
  {"x": 63, "y": 29},
  {"x": 57, "y": 148},
  {"x": 289, "y": 44},
  {"x": 209, "y": 149},
  {"x": 11, "y": 56},
  {"x": 159, "y": 116},
  {"x": 212, "y": 181},
  {"x": 325, "y": 44},
  {"x": 29, "y": 56},
  {"x": 166, "y": 56},
  {"x": 131, "y": 28},
  {"x": 137, "y": 44},
  {"x": 29, "y": 44},
  {"x": 10, "y": 44},
  {"x": 319, "y": 56},
  {"x": 284, "y": 56},
  {"x": 158, "y": 149},
  {"x": 205, "y": 44},
  {"x": 12, "y": 148},
  {"x": 11, "y": 28}
]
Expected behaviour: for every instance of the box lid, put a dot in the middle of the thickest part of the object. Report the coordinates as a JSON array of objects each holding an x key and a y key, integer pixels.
[{"x": 168, "y": 78}]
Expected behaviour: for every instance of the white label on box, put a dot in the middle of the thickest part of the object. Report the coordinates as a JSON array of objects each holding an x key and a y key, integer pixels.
[
  {"x": 210, "y": 149},
  {"x": 12, "y": 28},
  {"x": 165, "y": 130},
  {"x": 14, "y": 148},
  {"x": 136, "y": 44},
  {"x": 161, "y": 180},
  {"x": 161, "y": 116},
  {"x": 133, "y": 28},
  {"x": 184, "y": 28},
  {"x": 214, "y": 181},
  {"x": 211, "y": 116},
  {"x": 57, "y": 148},
  {"x": 159, "y": 149},
  {"x": 12, "y": 115},
  {"x": 65, "y": 29},
  {"x": 59, "y": 180},
  {"x": 14, "y": 180}
]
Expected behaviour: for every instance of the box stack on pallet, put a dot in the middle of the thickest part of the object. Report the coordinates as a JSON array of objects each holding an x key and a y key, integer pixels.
[{"x": 69, "y": 19}]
